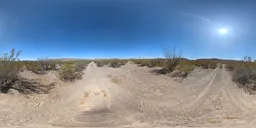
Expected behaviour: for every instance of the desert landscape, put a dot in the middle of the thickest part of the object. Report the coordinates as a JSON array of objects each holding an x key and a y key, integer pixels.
[
  {"x": 129, "y": 95},
  {"x": 127, "y": 64}
]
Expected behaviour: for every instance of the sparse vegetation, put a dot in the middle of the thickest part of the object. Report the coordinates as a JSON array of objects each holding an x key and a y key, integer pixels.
[
  {"x": 9, "y": 69},
  {"x": 46, "y": 64},
  {"x": 246, "y": 78},
  {"x": 34, "y": 66},
  {"x": 173, "y": 59},
  {"x": 81, "y": 65},
  {"x": 158, "y": 62},
  {"x": 101, "y": 63},
  {"x": 113, "y": 79},
  {"x": 206, "y": 63},
  {"x": 117, "y": 63},
  {"x": 185, "y": 69},
  {"x": 244, "y": 73},
  {"x": 86, "y": 94},
  {"x": 70, "y": 72},
  {"x": 105, "y": 94}
]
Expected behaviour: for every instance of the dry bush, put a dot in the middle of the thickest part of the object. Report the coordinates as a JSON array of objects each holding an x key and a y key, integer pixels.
[
  {"x": 46, "y": 64},
  {"x": 185, "y": 69},
  {"x": 101, "y": 63},
  {"x": 115, "y": 63},
  {"x": 156, "y": 62},
  {"x": 230, "y": 67},
  {"x": 172, "y": 59},
  {"x": 70, "y": 72},
  {"x": 150, "y": 62},
  {"x": 142, "y": 62},
  {"x": 206, "y": 63},
  {"x": 9, "y": 78},
  {"x": 244, "y": 73},
  {"x": 9, "y": 70},
  {"x": 26, "y": 86},
  {"x": 81, "y": 65},
  {"x": 114, "y": 79},
  {"x": 34, "y": 66},
  {"x": 246, "y": 78}
]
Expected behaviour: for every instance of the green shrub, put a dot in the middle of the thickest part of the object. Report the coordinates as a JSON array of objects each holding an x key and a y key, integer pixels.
[
  {"x": 9, "y": 70},
  {"x": 70, "y": 72}
]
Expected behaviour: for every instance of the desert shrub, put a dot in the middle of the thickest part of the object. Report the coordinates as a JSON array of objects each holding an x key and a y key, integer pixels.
[
  {"x": 230, "y": 67},
  {"x": 9, "y": 69},
  {"x": 46, "y": 64},
  {"x": 34, "y": 66},
  {"x": 206, "y": 64},
  {"x": 181, "y": 70},
  {"x": 244, "y": 73},
  {"x": 70, "y": 72},
  {"x": 115, "y": 63},
  {"x": 81, "y": 65},
  {"x": 246, "y": 78},
  {"x": 172, "y": 59},
  {"x": 152, "y": 62},
  {"x": 101, "y": 63},
  {"x": 143, "y": 62},
  {"x": 156, "y": 62},
  {"x": 186, "y": 69}
]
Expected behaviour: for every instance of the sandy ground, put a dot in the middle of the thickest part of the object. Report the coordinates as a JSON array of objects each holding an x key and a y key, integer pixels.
[{"x": 132, "y": 96}]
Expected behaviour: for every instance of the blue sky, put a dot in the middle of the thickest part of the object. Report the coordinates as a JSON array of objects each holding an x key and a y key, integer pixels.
[{"x": 127, "y": 28}]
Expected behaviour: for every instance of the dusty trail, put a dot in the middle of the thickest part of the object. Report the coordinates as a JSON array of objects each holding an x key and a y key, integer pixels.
[
  {"x": 137, "y": 98},
  {"x": 101, "y": 103},
  {"x": 213, "y": 100}
]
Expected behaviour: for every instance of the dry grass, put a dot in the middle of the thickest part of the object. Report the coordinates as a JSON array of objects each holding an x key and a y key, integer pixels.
[
  {"x": 105, "y": 94},
  {"x": 113, "y": 79},
  {"x": 86, "y": 94}
]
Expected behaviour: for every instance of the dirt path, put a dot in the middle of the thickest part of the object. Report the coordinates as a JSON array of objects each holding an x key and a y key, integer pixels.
[
  {"x": 140, "y": 98},
  {"x": 213, "y": 100},
  {"x": 132, "y": 96}
]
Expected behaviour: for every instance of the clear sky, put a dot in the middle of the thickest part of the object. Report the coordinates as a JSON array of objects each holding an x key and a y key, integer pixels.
[{"x": 128, "y": 28}]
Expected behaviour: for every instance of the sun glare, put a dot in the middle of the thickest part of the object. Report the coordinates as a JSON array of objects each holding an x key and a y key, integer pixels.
[{"x": 223, "y": 31}]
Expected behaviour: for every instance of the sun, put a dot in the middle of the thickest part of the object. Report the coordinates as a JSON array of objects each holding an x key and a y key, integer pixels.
[{"x": 223, "y": 31}]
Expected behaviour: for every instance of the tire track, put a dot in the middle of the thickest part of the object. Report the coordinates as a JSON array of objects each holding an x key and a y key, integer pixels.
[
  {"x": 235, "y": 97},
  {"x": 190, "y": 103}
]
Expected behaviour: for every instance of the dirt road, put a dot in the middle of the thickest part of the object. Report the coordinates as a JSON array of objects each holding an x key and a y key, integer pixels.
[{"x": 132, "y": 96}]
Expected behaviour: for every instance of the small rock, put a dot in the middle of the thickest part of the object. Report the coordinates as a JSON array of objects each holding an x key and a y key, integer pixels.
[
  {"x": 40, "y": 104},
  {"x": 96, "y": 92},
  {"x": 142, "y": 104}
]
